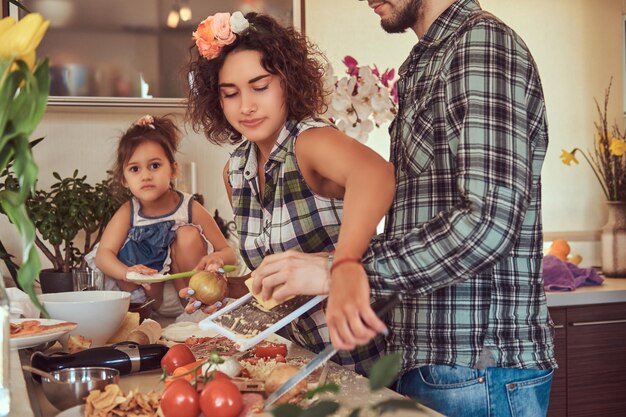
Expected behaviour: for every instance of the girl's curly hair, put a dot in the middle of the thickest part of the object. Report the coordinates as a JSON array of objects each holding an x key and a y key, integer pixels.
[{"x": 285, "y": 52}]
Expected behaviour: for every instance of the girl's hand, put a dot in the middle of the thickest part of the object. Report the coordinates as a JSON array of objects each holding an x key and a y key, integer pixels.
[
  {"x": 210, "y": 262},
  {"x": 141, "y": 269},
  {"x": 351, "y": 320}
]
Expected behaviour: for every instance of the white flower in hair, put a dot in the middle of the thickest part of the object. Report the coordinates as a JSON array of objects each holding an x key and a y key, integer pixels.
[{"x": 238, "y": 23}]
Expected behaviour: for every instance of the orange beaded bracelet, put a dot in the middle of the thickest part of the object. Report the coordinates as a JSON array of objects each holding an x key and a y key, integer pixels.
[{"x": 338, "y": 262}]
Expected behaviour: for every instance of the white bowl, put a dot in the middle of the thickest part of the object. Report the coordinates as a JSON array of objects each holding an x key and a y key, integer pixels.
[{"x": 98, "y": 313}]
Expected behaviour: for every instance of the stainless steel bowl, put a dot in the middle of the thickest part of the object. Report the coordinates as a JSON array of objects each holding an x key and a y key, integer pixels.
[{"x": 72, "y": 385}]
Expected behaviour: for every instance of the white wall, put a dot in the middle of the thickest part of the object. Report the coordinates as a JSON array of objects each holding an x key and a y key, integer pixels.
[{"x": 577, "y": 45}]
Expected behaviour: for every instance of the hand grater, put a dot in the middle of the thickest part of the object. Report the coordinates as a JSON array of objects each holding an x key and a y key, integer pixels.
[{"x": 246, "y": 323}]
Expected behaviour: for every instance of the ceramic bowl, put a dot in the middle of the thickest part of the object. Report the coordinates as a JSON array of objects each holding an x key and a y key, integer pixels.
[
  {"x": 97, "y": 313},
  {"x": 72, "y": 385}
]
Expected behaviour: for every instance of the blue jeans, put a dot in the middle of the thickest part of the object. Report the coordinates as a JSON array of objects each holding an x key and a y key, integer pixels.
[{"x": 491, "y": 392}]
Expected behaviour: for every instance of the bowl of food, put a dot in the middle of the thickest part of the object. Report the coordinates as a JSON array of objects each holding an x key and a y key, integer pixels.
[
  {"x": 97, "y": 313},
  {"x": 68, "y": 387}
]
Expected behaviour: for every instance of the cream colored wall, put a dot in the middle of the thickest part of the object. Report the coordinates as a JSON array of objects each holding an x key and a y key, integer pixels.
[{"x": 577, "y": 45}]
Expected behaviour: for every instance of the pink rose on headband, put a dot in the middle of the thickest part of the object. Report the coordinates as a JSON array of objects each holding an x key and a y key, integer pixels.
[
  {"x": 209, "y": 50},
  {"x": 220, "y": 25}
]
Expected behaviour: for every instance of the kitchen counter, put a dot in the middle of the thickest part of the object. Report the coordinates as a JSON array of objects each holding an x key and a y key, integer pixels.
[
  {"x": 28, "y": 399},
  {"x": 612, "y": 290}
]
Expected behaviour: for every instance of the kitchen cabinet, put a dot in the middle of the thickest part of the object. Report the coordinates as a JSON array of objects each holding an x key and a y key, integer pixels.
[{"x": 590, "y": 347}]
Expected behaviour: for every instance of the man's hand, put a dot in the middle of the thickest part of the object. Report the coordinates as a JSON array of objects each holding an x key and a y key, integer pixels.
[
  {"x": 350, "y": 318},
  {"x": 291, "y": 273}
]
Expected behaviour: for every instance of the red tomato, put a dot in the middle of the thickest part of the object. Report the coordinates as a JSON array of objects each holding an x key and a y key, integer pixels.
[
  {"x": 222, "y": 398},
  {"x": 270, "y": 350},
  {"x": 180, "y": 399},
  {"x": 177, "y": 356}
]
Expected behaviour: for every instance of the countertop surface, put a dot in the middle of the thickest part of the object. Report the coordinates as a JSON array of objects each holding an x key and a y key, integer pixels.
[
  {"x": 28, "y": 399},
  {"x": 612, "y": 290}
]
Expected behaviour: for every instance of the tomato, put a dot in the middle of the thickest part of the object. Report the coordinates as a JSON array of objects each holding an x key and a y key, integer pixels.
[
  {"x": 180, "y": 399},
  {"x": 222, "y": 398},
  {"x": 177, "y": 356},
  {"x": 270, "y": 350}
]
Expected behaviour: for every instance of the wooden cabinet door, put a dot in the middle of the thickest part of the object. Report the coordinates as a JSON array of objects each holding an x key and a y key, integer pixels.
[
  {"x": 558, "y": 393},
  {"x": 596, "y": 360}
]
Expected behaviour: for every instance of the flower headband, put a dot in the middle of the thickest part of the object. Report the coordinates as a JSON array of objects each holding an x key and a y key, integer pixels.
[
  {"x": 217, "y": 31},
  {"x": 146, "y": 120}
]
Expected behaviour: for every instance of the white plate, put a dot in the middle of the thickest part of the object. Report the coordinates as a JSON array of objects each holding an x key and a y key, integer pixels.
[
  {"x": 76, "y": 411},
  {"x": 37, "y": 339}
]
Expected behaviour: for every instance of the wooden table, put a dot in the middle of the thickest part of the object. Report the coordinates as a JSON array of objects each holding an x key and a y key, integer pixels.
[{"x": 28, "y": 399}]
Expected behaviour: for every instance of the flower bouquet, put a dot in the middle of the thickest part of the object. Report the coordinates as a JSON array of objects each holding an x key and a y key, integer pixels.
[
  {"x": 362, "y": 99},
  {"x": 608, "y": 160}
]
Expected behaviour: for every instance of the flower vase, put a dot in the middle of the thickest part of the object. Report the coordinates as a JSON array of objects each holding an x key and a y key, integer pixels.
[{"x": 614, "y": 241}]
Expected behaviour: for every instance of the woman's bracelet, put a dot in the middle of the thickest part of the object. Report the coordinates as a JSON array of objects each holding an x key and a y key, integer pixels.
[{"x": 338, "y": 262}]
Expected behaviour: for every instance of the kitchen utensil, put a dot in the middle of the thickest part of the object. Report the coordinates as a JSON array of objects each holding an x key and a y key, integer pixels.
[
  {"x": 41, "y": 373},
  {"x": 65, "y": 388},
  {"x": 150, "y": 279},
  {"x": 245, "y": 323},
  {"x": 125, "y": 357},
  {"x": 381, "y": 306}
]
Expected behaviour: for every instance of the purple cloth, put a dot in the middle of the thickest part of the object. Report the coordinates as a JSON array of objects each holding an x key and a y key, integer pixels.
[{"x": 559, "y": 275}]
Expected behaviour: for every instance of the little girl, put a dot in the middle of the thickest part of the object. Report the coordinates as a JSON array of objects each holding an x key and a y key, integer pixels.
[
  {"x": 295, "y": 182},
  {"x": 160, "y": 229}
]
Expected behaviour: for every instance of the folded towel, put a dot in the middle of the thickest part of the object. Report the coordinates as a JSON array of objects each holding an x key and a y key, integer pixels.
[{"x": 560, "y": 275}]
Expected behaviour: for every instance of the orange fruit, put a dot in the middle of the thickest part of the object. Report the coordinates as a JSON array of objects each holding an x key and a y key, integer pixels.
[{"x": 559, "y": 248}]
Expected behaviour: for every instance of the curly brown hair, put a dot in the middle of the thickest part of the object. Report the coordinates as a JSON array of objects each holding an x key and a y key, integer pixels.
[
  {"x": 165, "y": 133},
  {"x": 285, "y": 52}
]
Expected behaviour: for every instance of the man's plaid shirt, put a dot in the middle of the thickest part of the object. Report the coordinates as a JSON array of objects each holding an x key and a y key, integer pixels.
[{"x": 463, "y": 240}]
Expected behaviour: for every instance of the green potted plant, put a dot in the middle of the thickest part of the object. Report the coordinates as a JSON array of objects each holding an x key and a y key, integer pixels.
[{"x": 72, "y": 208}]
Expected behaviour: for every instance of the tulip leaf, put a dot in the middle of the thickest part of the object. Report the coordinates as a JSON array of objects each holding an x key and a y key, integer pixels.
[
  {"x": 395, "y": 404},
  {"x": 287, "y": 410},
  {"x": 385, "y": 371},
  {"x": 7, "y": 92}
]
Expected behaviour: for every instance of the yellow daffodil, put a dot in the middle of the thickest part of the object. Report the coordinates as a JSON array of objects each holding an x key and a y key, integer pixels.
[
  {"x": 19, "y": 40},
  {"x": 568, "y": 157},
  {"x": 618, "y": 146}
]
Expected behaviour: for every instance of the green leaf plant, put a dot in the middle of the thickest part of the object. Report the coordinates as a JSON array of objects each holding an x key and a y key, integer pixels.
[
  {"x": 382, "y": 374},
  {"x": 71, "y": 207}
]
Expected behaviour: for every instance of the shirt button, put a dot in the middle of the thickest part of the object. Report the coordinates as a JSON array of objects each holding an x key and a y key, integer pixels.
[{"x": 247, "y": 172}]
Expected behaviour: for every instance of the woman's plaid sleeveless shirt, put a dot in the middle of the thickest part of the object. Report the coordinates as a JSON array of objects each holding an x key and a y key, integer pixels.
[{"x": 290, "y": 217}]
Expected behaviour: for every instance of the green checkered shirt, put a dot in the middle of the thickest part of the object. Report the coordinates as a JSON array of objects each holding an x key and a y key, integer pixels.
[{"x": 463, "y": 239}]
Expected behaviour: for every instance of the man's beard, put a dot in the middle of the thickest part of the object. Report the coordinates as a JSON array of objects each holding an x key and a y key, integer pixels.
[{"x": 405, "y": 18}]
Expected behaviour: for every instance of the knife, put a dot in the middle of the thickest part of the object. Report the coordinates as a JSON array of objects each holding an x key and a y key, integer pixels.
[{"x": 381, "y": 306}]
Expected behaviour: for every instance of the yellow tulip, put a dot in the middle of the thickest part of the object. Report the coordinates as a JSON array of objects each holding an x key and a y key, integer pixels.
[
  {"x": 21, "y": 38},
  {"x": 6, "y": 24},
  {"x": 568, "y": 157}
]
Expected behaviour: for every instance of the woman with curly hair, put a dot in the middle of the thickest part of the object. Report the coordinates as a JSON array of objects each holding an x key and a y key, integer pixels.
[{"x": 295, "y": 181}]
